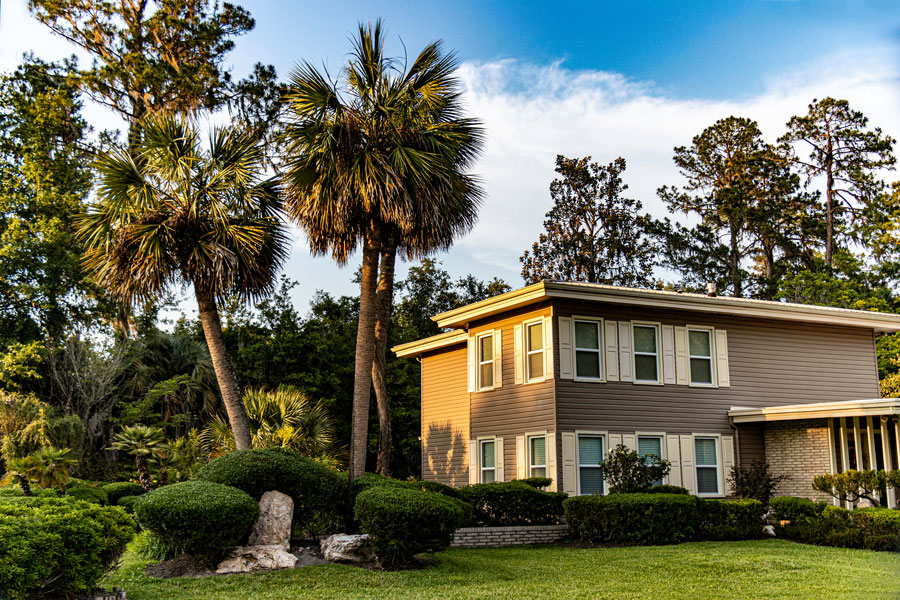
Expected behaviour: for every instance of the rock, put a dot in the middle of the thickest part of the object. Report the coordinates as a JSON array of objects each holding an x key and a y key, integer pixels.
[
  {"x": 343, "y": 547},
  {"x": 306, "y": 557},
  {"x": 273, "y": 528},
  {"x": 769, "y": 530},
  {"x": 247, "y": 559}
]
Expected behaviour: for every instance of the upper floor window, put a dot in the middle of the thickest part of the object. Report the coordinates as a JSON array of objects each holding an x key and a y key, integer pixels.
[
  {"x": 706, "y": 455},
  {"x": 588, "y": 364},
  {"x": 534, "y": 350},
  {"x": 590, "y": 454},
  {"x": 485, "y": 346},
  {"x": 537, "y": 456},
  {"x": 646, "y": 353},
  {"x": 488, "y": 464},
  {"x": 700, "y": 348}
]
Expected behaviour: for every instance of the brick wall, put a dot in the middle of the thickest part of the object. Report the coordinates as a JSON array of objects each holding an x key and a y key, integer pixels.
[
  {"x": 800, "y": 450},
  {"x": 483, "y": 537}
]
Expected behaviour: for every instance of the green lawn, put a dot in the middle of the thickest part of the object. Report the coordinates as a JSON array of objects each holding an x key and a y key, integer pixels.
[{"x": 757, "y": 569}]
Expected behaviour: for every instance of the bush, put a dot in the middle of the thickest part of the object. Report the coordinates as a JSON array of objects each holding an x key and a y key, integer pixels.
[
  {"x": 512, "y": 503},
  {"x": 11, "y": 491},
  {"x": 94, "y": 495},
  {"x": 756, "y": 481},
  {"x": 794, "y": 509},
  {"x": 153, "y": 547},
  {"x": 668, "y": 489},
  {"x": 403, "y": 522},
  {"x": 199, "y": 518},
  {"x": 730, "y": 519},
  {"x": 871, "y": 528},
  {"x": 628, "y": 472},
  {"x": 371, "y": 480},
  {"x": 434, "y": 487},
  {"x": 537, "y": 482},
  {"x": 120, "y": 489},
  {"x": 58, "y": 546},
  {"x": 127, "y": 502},
  {"x": 633, "y": 518},
  {"x": 319, "y": 493}
]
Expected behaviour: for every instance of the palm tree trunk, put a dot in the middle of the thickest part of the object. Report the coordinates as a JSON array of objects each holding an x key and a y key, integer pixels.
[
  {"x": 231, "y": 395},
  {"x": 26, "y": 487},
  {"x": 384, "y": 302},
  {"x": 143, "y": 473},
  {"x": 365, "y": 351}
]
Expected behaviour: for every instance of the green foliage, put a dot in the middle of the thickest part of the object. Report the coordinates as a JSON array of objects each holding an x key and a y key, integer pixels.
[
  {"x": 730, "y": 519},
  {"x": 120, "y": 489},
  {"x": 794, "y": 509},
  {"x": 512, "y": 503},
  {"x": 537, "y": 482},
  {"x": 403, "y": 522},
  {"x": 667, "y": 489},
  {"x": 199, "y": 518},
  {"x": 755, "y": 481},
  {"x": 28, "y": 424},
  {"x": 871, "y": 528},
  {"x": 152, "y": 547},
  {"x": 127, "y": 502},
  {"x": 853, "y": 485},
  {"x": 94, "y": 495},
  {"x": 633, "y": 518},
  {"x": 626, "y": 471},
  {"x": 58, "y": 546}
]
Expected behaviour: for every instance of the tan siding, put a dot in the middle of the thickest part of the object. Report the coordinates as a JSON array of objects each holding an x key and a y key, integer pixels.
[
  {"x": 445, "y": 417},
  {"x": 752, "y": 443}
]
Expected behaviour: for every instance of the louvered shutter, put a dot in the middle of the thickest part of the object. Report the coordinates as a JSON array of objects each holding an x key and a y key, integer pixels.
[
  {"x": 498, "y": 358},
  {"x": 473, "y": 462},
  {"x": 722, "y": 373},
  {"x": 519, "y": 360},
  {"x": 727, "y": 460},
  {"x": 548, "y": 347},
  {"x": 498, "y": 459},
  {"x": 551, "y": 460},
  {"x": 626, "y": 361},
  {"x": 668, "y": 354},
  {"x": 687, "y": 464},
  {"x": 472, "y": 362},
  {"x": 614, "y": 440},
  {"x": 673, "y": 456},
  {"x": 521, "y": 458},
  {"x": 611, "y": 343},
  {"x": 566, "y": 355},
  {"x": 630, "y": 441},
  {"x": 569, "y": 472},
  {"x": 683, "y": 376}
]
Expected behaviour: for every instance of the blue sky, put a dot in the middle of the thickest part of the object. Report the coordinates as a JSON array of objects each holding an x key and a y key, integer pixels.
[{"x": 608, "y": 79}]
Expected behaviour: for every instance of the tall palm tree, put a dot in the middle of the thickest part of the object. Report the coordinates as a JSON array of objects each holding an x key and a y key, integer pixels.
[
  {"x": 52, "y": 467},
  {"x": 143, "y": 443},
  {"x": 171, "y": 212},
  {"x": 375, "y": 156},
  {"x": 21, "y": 470}
]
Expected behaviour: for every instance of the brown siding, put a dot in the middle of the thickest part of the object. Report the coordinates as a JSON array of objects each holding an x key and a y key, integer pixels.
[{"x": 445, "y": 417}]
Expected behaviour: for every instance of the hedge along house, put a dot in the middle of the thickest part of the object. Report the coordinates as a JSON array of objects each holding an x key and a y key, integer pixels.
[{"x": 546, "y": 379}]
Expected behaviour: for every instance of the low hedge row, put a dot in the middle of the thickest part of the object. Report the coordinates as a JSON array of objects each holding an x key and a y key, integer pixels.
[
  {"x": 871, "y": 528},
  {"x": 502, "y": 504},
  {"x": 120, "y": 489},
  {"x": 794, "y": 509}
]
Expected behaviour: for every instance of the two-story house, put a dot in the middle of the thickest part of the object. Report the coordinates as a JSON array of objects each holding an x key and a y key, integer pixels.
[{"x": 546, "y": 379}]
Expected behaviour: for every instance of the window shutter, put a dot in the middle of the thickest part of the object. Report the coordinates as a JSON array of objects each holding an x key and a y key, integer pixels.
[
  {"x": 674, "y": 457},
  {"x": 626, "y": 361},
  {"x": 473, "y": 461},
  {"x": 569, "y": 472},
  {"x": 551, "y": 460},
  {"x": 614, "y": 440},
  {"x": 498, "y": 459},
  {"x": 611, "y": 342},
  {"x": 668, "y": 354},
  {"x": 548, "y": 347},
  {"x": 687, "y": 463},
  {"x": 521, "y": 458},
  {"x": 727, "y": 460},
  {"x": 630, "y": 441},
  {"x": 498, "y": 358},
  {"x": 683, "y": 377},
  {"x": 565, "y": 348},
  {"x": 520, "y": 365},
  {"x": 722, "y": 358},
  {"x": 472, "y": 361}
]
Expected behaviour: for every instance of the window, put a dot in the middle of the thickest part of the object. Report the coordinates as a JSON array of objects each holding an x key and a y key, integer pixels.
[
  {"x": 700, "y": 349},
  {"x": 486, "y": 361},
  {"x": 646, "y": 353},
  {"x": 590, "y": 454},
  {"x": 650, "y": 446},
  {"x": 537, "y": 456},
  {"x": 534, "y": 350},
  {"x": 587, "y": 350},
  {"x": 707, "y": 456},
  {"x": 488, "y": 467}
]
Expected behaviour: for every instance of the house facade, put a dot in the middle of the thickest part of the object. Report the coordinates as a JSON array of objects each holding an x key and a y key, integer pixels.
[{"x": 543, "y": 381}]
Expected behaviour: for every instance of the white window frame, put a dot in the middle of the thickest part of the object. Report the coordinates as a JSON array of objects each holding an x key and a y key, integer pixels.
[
  {"x": 596, "y": 434},
  {"x": 712, "y": 356},
  {"x": 634, "y": 353},
  {"x": 661, "y": 436},
  {"x": 719, "y": 482},
  {"x": 526, "y": 353},
  {"x": 601, "y": 350},
  {"x": 529, "y": 460},
  {"x": 478, "y": 362},
  {"x": 481, "y": 467}
]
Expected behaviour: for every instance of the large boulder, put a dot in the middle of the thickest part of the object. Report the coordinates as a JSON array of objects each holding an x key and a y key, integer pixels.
[
  {"x": 273, "y": 528},
  {"x": 342, "y": 547},
  {"x": 248, "y": 559}
]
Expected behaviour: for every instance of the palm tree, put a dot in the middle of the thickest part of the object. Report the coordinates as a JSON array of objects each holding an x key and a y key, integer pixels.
[
  {"x": 143, "y": 443},
  {"x": 52, "y": 467},
  {"x": 171, "y": 212},
  {"x": 21, "y": 470},
  {"x": 376, "y": 159}
]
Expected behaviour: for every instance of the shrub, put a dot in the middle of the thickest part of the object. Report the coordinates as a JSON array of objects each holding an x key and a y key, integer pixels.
[
  {"x": 434, "y": 487},
  {"x": 94, "y": 495},
  {"x": 628, "y": 472},
  {"x": 794, "y": 509},
  {"x": 537, "y": 482},
  {"x": 58, "y": 546},
  {"x": 633, "y": 518},
  {"x": 127, "y": 502},
  {"x": 318, "y": 491},
  {"x": 730, "y": 519},
  {"x": 153, "y": 547},
  {"x": 11, "y": 491},
  {"x": 872, "y": 528},
  {"x": 120, "y": 489},
  {"x": 668, "y": 489},
  {"x": 199, "y": 518},
  {"x": 756, "y": 481},
  {"x": 853, "y": 485},
  {"x": 512, "y": 503},
  {"x": 403, "y": 522}
]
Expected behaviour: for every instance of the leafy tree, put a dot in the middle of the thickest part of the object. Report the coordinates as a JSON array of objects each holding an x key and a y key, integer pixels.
[
  {"x": 21, "y": 471},
  {"x": 174, "y": 212},
  {"x": 592, "y": 233},
  {"x": 52, "y": 467},
  {"x": 755, "y": 481},
  {"x": 143, "y": 443},
  {"x": 627, "y": 472},
  {"x": 846, "y": 154}
]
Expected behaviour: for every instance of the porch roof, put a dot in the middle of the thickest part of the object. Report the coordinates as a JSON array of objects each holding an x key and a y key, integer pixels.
[{"x": 820, "y": 410}]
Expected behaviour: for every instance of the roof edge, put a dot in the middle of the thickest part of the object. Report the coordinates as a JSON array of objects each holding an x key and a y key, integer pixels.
[
  {"x": 435, "y": 342},
  {"x": 875, "y": 407}
]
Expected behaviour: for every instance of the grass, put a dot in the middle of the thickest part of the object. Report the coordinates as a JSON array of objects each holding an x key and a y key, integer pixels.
[{"x": 754, "y": 569}]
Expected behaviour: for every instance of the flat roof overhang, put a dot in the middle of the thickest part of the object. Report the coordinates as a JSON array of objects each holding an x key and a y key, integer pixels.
[{"x": 877, "y": 407}]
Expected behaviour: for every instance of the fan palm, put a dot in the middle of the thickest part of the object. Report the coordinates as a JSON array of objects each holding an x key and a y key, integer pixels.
[
  {"x": 52, "y": 467},
  {"x": 376, "y": 159},
  {"x": 21, "y": 470},
  {"x": 171, "y": 212},
  {"x": 143, "y": 443}
]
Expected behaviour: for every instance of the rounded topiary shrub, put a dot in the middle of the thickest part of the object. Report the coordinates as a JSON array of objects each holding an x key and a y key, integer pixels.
[
  {"x": 402, "y": 522},
  {"x": 127, "y": 502},
  {"x": 199, "y": 518},
  {"x": 668, "y": 489},
  {"x": 510, "y": 503},
  {"x": 315, "y": 489},
  {"x": 795, "y": 509},
  {"x": 120, "y": 489},
  {"x": 94, "y": 495}
]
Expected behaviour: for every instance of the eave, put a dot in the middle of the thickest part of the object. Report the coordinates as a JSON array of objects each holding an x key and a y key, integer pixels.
[{"x": 878, "y": 407}]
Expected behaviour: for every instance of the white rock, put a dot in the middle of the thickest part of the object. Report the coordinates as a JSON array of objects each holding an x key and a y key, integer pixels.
[
  {"x": 273, "y": 528},
  {"x": 343, "y": 547},
  {"x": 769, "y": 530},
  {"x": 247, "y": 559}
]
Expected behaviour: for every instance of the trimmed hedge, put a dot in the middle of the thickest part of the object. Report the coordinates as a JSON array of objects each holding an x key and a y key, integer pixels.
[
  {"x": 120, "y": 489},
  {"x": 127, "y": 502},
  {"x": 633, "y": 518},
  {"x": 58, "y": 546},
  {"x": 730, "y": 519},
  {"x": 537, "y": 482},
  {"x": 794, "y": 509},
  {"x": 668, "y": 489},
  {"x": 94, "y": 495},
  {"x": 199, "y": 518},
  {"x": 512, "y": 503},
  {"x": 402, "y": 522},
  {"x": 316, "y": 489},
  {"x": 871, "y": 528}
]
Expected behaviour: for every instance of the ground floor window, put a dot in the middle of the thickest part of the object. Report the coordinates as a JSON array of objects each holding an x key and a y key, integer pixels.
[
  {"x": 537, "y": 456},
  {"x": 488, "y": 467},
  {"x": 590, "y": 454},
  {"x": 706, "y": 455},
  {"x": 650, "y": 446}
]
